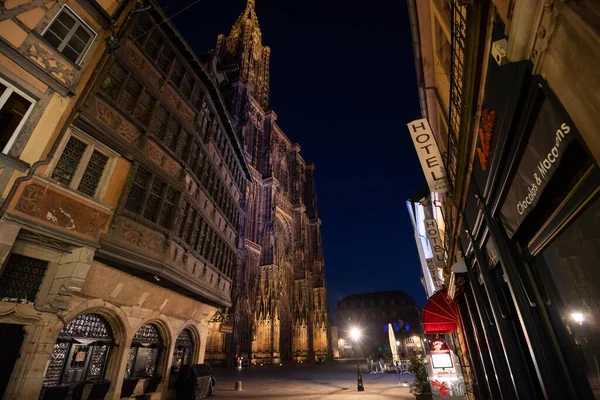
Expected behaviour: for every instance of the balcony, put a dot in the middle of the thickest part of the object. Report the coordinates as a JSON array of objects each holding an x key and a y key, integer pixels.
[{"x": 149, "y": 254}]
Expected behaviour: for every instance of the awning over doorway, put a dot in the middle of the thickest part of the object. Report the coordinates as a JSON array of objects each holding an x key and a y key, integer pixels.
[{"x": 439, "y": 316}]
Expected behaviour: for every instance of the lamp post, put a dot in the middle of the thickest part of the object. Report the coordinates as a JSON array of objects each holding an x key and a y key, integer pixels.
[
  {"x": 355, "y": 334},
  {"x": 397, "y": 361}
]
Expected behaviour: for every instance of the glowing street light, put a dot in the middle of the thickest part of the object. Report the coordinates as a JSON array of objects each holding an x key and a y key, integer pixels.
[
  {"x": 355, "y": 335},
  {"x": 578, "y": 317}
]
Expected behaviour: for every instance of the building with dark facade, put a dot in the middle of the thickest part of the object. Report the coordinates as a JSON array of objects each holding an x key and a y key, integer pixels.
[
  {"x": 120, "y": 231},
  {"x": 517, "y": 127},
  {"x": 371, "y": 314},
  {"x": 280, "y": 307}
]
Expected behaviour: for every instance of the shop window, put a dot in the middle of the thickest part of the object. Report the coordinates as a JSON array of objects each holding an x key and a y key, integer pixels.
[
  {"x": 144, "y": 355},
  {"x": 151, "y": 198},
  {"x": 573, "y": 279},
  {"x": 15, "y": 107},
  {"x": 81, "y": 352},
  {"x": 69, "y": 35},
  {"x": 21, "y": 278},
  {"x": 184, "y": 350},
  {"x": 83, "y": 165},
  {"x": 573, "y": 166}
]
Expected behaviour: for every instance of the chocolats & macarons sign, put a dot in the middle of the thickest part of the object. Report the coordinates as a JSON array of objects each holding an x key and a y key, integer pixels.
[{"x": 550, "y": 136}]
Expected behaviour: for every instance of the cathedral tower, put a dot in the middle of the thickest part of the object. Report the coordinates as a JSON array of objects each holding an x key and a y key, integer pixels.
[
  {"x": 279, "y": 302},
  {"x": 243, "y": 48}
]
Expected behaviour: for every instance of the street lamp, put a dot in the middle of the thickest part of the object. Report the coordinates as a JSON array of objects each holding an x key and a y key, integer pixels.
[
  {"x": 355, "y": 335},
  {"x": 578, "y": 317}
]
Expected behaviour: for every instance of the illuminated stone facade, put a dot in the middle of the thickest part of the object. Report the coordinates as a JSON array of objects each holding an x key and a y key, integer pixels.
[{"x": 280, "y": 308}]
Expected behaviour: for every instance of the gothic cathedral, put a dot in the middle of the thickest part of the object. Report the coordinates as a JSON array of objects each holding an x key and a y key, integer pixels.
[{"x": 279, "y": 302}]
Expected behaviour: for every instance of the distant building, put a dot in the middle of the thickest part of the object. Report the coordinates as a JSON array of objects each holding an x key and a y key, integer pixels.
[{"x": 371, "y": 313}]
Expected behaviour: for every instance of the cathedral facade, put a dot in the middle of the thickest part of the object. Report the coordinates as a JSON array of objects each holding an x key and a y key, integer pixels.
[{"x": 279, "y": 307}]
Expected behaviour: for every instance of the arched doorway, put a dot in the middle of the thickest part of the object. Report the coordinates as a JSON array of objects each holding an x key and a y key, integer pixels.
[
  {"x": 144, "y": 355},
  {"x": 80, "y": 353},
  {"x": 183, "y": 353}
]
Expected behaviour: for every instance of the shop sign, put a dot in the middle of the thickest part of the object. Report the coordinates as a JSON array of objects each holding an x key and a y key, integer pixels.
[
  {"x": 429, "y": 155},
  {"x": 444, "y": 374},
  {"x": 435, "y": 241},
  {"x": 550, "y": 137},
  {"x": 488, "y": 122},
  {"x": 439, "y": 346}
]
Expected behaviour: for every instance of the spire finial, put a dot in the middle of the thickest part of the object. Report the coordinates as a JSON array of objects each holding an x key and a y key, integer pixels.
[{"x": 250, "y": 4}]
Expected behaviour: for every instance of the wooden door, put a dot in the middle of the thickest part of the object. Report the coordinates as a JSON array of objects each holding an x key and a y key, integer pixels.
[{"x": 77, "y": 362}]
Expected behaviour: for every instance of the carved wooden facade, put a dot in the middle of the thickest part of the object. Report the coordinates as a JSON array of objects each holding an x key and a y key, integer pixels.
[
  {"x": 280, "y": 307},
  {"x": 123, "y": 187}
]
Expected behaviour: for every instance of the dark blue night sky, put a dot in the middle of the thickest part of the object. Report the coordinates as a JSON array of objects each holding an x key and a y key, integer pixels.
[{"x": 343, "y": 86}]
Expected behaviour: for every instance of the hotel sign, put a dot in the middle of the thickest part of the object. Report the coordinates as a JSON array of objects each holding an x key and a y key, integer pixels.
[
  {"x": 429, "y": 155},
  {"x": 434, "y": 272},
  {"x": 433, "y": 234}
]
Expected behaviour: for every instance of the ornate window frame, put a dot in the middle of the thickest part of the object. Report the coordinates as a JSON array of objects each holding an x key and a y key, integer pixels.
[{"x": 92, "y": 146}]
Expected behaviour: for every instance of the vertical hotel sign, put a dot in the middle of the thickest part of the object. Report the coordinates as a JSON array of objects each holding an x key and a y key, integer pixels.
[
  {"x": 435, "y": 241},
  {"x": 429, "y": 155}
]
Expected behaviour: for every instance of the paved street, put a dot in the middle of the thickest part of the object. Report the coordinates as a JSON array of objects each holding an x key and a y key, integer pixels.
[{"x": 333, "y": 381}]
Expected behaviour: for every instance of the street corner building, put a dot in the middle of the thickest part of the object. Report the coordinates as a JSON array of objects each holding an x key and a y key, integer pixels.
[
  {"x": 123, "y": 185},
  {"x": 280, "y": 299},
  {"x": 510, "y": 242}
]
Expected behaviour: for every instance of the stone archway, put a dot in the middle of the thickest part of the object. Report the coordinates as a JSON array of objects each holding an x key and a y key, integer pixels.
[
  {"x": 183, "y": 351},
  {"x": 81, "y": 353},
  {"x": 146, "y": 352}
]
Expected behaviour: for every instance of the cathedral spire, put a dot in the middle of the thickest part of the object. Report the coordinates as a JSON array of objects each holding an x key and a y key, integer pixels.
[
  {"x": 243, "y": 48},
  {"x": 249, "y": 13}
]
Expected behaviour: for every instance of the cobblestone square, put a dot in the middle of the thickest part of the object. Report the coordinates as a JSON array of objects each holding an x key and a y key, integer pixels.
[{"x": 333, "y": 381}]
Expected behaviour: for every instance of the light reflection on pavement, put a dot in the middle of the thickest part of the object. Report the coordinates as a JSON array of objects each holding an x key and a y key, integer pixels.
[{"x": 335, "y": 380}]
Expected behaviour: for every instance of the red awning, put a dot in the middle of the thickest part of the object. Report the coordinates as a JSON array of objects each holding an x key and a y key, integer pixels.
[{"x": 439, "y": 316}]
